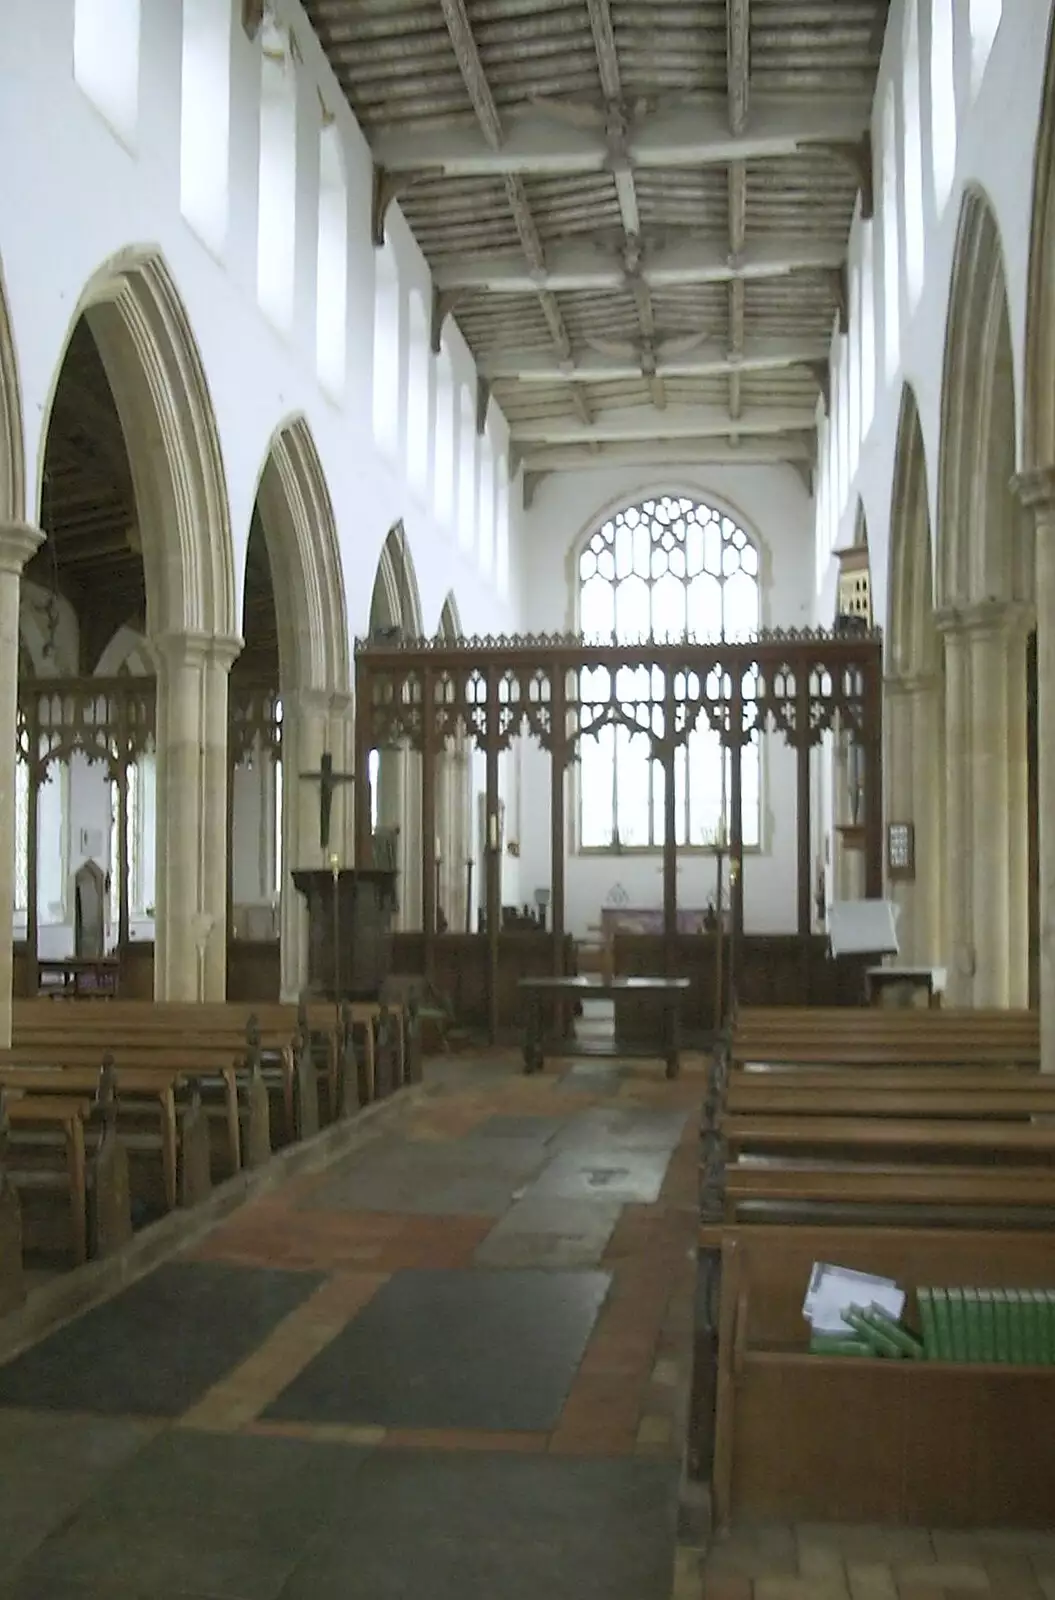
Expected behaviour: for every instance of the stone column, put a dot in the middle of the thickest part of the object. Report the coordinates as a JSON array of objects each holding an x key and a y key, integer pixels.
[
  {"x": 342, "y": 746},
  {"x": 914, "y": 788},
  {"x": 900, "y": 797},
  {"x": 305, "y": 727},
  {"x": 958, "y": 899},
  {"x": 190, "y": 951},
  {"x": 1036, "y": 491},
  {"x": 18, "y": 542},
  {"x": 217, "y": 801}
]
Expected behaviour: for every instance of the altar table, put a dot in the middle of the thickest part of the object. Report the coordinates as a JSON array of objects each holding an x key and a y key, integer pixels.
[{"x": 671, "y": 991}]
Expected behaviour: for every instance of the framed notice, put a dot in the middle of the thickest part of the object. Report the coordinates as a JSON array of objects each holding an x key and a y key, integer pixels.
[{"x": 901, "y": 851}]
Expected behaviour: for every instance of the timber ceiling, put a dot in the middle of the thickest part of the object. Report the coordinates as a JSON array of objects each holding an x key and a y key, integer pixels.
[{"x": 636, "y": 210}]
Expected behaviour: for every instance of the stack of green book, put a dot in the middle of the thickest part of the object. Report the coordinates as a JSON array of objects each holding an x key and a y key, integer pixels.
[
  {"x": 870, "y": 1332},
  {"x": 1013, "y": 1326}
]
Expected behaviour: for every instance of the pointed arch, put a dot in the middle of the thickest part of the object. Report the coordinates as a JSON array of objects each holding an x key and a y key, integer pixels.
[
  {"x": 12, "y": 441},
  {"x": 976, "y": 559},
  {"x": 1039, "y": 419},
  {"x": 304, "y": 554},
  {"x": 912, "y": 638},
  {"x": 396, "y": 600},
  {"x": 154, "y": 370},
  {"x": 450, "y": 627}
]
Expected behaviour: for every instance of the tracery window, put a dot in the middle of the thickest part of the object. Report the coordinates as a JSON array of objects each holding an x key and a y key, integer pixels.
[
  {"x": 666, "y": 569},
  {"x": 141, "y": 792}
]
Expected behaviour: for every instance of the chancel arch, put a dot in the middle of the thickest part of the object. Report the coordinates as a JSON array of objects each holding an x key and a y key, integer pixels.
[
  {"x": 913, "y": 702},
  {"x": 395, "y": 778},
  {"x": 984, "y": 596},
  {"x": 12, "y": 444},
  {"x": 290, "y": 703}
]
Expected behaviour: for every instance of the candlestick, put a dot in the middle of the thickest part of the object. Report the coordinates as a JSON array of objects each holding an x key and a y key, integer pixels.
[{"x": 492, "y": 831}]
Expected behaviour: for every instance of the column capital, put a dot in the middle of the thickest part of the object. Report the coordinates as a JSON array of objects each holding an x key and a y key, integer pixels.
[
  {"x": 314, "y": 702},
  {"x": 192, "y": 649},
  {"x": 18, "y": 541},
  {"x": 342, "y": 702},
  {"x": 985, "y": 617},
  {"x": 1036, "y": 492}
]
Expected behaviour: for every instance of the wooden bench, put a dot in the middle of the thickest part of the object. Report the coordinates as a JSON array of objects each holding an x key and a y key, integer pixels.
[
  {"x": 803, "y": 1437},
  {"x": 846, "y": 1036},
  {"x": 49, "y": 1135}
]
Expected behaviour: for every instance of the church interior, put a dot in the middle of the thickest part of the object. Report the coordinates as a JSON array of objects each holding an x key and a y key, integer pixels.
[{"x": 527, "y": 1026}]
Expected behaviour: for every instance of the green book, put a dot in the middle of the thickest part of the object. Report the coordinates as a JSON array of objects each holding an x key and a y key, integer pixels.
[
  {"x": 957, "y": 1325},
  {"x": 943, "y": 1327},
  {"x": 972, "y": 1342},
  {"x": 884, "y": 1323},
  {"x": 1016, "y": 1342},
  {"x": 1048, "y": 1323},
  {"x": 877, "y": 1337},
  {"x": 986, "y": 1325},
  {"x": 925, "y": 1308},
  {"x": 1002, "y": 1313},
  {"x": 838, "y": 1344}
]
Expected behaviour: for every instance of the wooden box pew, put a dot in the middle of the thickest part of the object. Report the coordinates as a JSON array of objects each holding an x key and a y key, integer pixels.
[
  {"x": 157, "y": 1079},
  {"x": 380, "y": 1050},
  {"x": 12, "y": 1272},
  {"x": 801, "y": 1437},
  {"x": 883, "y": 1037},
  {"x": 67, "y": 1145},
  {"x": 995, "y": 1095}
]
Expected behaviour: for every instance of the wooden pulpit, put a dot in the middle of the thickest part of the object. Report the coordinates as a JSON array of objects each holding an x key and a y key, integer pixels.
[{"x": 349, "y": 931}]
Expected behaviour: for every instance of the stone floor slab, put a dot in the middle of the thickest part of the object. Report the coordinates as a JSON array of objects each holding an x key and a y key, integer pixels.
[
  {"x": 158, "y": 1345},
  {"x": 467, "y": 1176},
  {"x": 506, "y": 1527},
  {"x": 454, "y": 1350},
  {"x": 619, "y": 1175},
  {"x": 545, "y": 1232}
]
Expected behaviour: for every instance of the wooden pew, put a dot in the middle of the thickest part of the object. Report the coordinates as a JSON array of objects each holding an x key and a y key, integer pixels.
[
  {"x": 803, "y": 1437},
  {"x": 844, "y": 1036},
  {"x": 12, "y": 1274},
  {"x": 50, "y": 1131}
]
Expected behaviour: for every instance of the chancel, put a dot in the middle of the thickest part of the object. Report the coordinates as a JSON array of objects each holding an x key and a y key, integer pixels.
[{"x": 526, "y": 535}]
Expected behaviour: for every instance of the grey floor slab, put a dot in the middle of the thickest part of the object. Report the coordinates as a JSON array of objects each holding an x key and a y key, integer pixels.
[
  {"x": 194, "y": 1514},
  {"x": 636, "y": 1127},
  {"x": 466, "y": 1349},
  {"x": 619, "y": 1174},
  {"x": 545, "y": 1232},
  {"x": 500, "y": 1526},
  {"x": 156, "y": 1347},
  {"x": 539, "y": 1130},
  {"x": 475, "y": 1177}
]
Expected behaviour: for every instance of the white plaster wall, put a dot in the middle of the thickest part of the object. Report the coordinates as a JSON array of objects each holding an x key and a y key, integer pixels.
[
  {"x": 772, "y": 505},
  {"x": 73, "y": 196},
  {"x": 996, "y": 134}
]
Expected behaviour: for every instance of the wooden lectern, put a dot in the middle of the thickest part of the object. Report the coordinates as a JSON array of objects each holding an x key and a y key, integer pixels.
[{"x": 350, "y": 913}]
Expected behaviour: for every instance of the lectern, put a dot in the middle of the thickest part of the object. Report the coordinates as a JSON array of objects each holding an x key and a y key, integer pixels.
[{"x": 349, "y": 930}]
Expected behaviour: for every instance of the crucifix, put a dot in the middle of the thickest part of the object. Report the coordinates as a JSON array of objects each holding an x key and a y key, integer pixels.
[{"x": 328, "y": 781}]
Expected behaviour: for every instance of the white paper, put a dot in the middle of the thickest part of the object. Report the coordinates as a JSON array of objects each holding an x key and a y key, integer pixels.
[
  {"x": 833, "y": 1289},
  {"x": 863, "y": 927}
]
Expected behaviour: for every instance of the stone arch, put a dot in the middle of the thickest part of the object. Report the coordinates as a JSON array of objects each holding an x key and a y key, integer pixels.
[
  {"x": 158, "y": 383},
  {"x": 984, "y": 589},
  {"x": 450, "y": 627},
  {"x": 304, "y": 553},
  {"x": 12, "y": 441},
  {"x": 913, "y": 722},
  {"x": 977, "y": 561},
  {"x": 912, "y": 642},
  {"x": 396, "y": 600},
  {"x": 1039, "y": 417}
]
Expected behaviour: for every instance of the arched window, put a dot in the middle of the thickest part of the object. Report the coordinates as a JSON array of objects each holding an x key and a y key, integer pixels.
[
  {"x": 331, "y": 287},
  {"x": 106, "y": 60},
  {"x": 277, "y": 203},
  {"x": 984, "y": 20},
  {"x": 142, "y": 837},
  {"x": 912, "y": 156},
  {"x": 53, "y": 810},
  {"x": 868, "y": 328},
  {"x": 205, "y": 114},
  {"x": 443, "y": 434},
  {"x": 466, "y": 472},
  {"x": 665, "y": 569},
  {"x": 891, "y": 308},
  {"x": 942, "y": 101},
  {"x": 418, "y": 396},
  {"x": 386, "y": 351}
]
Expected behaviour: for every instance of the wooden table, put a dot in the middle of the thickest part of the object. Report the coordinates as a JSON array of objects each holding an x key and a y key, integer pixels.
[
  {"x": 671, "y": 991},
  {"x": 77, "y": 975}
]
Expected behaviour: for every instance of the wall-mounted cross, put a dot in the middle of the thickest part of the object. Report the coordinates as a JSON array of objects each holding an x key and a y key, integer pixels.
[{"x": 328, "y": 781}]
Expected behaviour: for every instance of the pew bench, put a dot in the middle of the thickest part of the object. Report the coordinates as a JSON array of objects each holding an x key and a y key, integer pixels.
[
  {"x": 789, "y": 1189},
  {"x": 804, "y": 1437}
]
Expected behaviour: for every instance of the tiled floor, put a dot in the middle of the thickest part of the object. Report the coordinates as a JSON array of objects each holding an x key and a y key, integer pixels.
[
  {"x": 451, "y": 1364},
  {"x": 848, "y": 1563}
]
